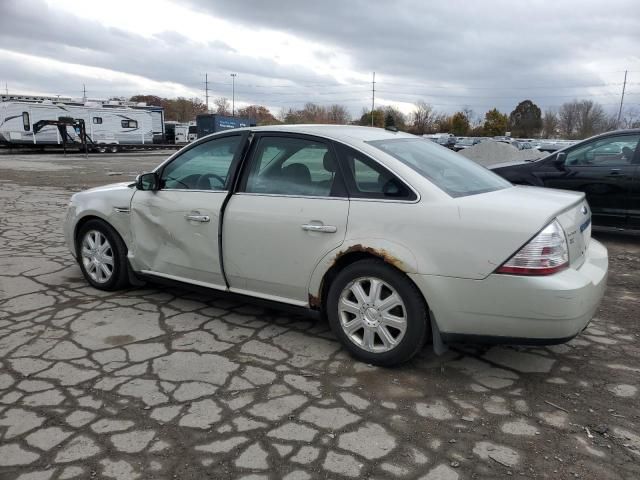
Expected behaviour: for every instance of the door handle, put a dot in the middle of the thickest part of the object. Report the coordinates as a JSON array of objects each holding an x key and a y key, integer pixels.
[
  {"x": 196, "y": 217},
  {"x": 320, "y": 228},
  {"x": 616, "y": 172}
]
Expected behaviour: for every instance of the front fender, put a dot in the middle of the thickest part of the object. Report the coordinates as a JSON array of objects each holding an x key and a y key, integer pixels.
[
  {"x": 392, "y": 253},
  {"x": 112, "y": 205}
]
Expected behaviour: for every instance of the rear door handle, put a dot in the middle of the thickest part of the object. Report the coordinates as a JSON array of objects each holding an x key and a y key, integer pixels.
[
  {"x": 320, "y": 228},
  {"x": 616, "y": 172},
  {"x": 197, "y": 217}
]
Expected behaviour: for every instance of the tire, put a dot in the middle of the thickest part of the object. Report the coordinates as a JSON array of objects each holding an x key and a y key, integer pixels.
[
  {"x": 351, "y": 324},
  {"x": 113, "y": 257},
  {"x": 113, "y": 149},
  {"x": 101, "y": 149}
]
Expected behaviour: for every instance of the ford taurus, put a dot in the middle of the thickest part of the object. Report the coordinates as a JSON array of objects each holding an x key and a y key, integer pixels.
[{"x": 396, "y": 240}]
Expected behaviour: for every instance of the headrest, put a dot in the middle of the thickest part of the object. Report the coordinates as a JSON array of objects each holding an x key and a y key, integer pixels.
[{"x": 328, "y": 162}]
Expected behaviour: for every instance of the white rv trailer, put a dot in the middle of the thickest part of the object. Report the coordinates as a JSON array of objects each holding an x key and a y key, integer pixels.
[{"x": 108, "y": 124}]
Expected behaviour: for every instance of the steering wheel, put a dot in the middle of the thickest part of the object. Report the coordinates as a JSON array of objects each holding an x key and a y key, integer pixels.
[{"x": 205, "y": 184}]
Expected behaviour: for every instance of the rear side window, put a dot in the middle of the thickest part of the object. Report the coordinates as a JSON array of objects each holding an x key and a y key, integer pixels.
[
  {"x": 368, "y": 179},
  {"x": 454, "y": 174},
  {"x": 25, "y": 121}
]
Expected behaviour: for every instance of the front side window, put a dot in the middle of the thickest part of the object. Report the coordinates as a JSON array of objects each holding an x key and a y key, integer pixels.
[
  {"x": 203, "y": 167},
  {"x": 605, "y": 152},
  {"x": 368, "y": 179},
  {"x": 129, "y": 124},
  {"x": 454, "y": 174},
  {"x": 292, "y": 166},
  {"x": 25, "y": 121},
  {"x": 97, "y": 120}
]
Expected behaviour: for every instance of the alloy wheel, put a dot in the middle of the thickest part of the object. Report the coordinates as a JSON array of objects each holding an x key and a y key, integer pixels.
[
  {"x": 372, "y": 314},
  {"x": 97, "y": 256}
]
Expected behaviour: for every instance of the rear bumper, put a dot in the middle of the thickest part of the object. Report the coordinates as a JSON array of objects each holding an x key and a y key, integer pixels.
[{"x": 518, "y": 309}]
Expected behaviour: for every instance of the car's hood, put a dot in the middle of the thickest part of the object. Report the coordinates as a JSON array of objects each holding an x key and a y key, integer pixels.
[
  {"x": 506, "y": 164},
  {"x": 111, "y": 186},
  {"x": 102, "y": 200},
  {"x": 514, "y": 163}
]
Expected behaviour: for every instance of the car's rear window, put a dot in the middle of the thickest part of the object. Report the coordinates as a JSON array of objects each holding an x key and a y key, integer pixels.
[{"x": 449, "y": 171}]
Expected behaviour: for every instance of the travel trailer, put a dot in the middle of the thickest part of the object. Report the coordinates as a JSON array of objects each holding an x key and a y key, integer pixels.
[{"x": 109, "y": 124}]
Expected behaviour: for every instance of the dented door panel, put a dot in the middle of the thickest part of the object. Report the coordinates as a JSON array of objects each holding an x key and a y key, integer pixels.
[{"x": 166, "y": 241}]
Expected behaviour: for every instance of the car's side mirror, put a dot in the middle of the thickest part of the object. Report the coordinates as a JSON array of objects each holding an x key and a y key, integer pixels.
[
  {"x": 148, "y": 181},
  {"x": 560, "y": 160}
]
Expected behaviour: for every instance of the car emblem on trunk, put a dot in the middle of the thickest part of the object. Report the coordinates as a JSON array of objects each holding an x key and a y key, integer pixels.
[{"x": 584, "y": 210}]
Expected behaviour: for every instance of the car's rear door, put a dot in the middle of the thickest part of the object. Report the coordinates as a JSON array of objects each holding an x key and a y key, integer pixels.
[
  {"x": 290, "y": 210},
  {"x": 604, "y": 170},
  {"x": 175, "y": 229}
]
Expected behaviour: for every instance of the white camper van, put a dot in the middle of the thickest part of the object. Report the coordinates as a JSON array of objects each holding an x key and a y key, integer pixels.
[{"x": 109, "y": 124}]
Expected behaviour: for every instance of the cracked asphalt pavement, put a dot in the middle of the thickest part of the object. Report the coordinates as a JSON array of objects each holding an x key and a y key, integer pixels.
[{"x": 163, "y": 383}]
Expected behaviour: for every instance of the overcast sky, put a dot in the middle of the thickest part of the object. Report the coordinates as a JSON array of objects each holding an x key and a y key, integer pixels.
[{"x": 452, "y": 54}]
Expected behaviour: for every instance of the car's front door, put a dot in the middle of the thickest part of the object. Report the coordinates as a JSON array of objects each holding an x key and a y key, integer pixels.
[
  {"x": 175, "y": 229},
  {"x": 289, "y": 212},
  {"x": 604, "y": 169}
]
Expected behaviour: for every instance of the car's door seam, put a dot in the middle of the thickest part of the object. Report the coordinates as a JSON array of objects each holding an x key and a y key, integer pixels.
[{"x": 231, "y": 190}]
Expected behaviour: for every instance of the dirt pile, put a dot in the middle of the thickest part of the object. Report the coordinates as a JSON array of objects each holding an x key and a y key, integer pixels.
[{"x": 491, "y": 152}]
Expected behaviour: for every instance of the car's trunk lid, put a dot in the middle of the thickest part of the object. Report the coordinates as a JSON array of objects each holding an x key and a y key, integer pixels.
[
  {"x": 522, "y": 213},
  {"x": 576, "y": 222}
]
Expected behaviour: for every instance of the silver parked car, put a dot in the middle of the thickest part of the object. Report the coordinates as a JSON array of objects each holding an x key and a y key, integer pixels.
[{"x": 395, "y": 239}]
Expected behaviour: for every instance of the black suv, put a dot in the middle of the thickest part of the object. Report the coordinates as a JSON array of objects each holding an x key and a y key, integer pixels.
[{"x": 606, "y": 167}]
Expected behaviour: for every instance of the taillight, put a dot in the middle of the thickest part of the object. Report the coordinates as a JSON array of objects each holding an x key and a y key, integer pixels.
[{"x": 545, "y": 254}]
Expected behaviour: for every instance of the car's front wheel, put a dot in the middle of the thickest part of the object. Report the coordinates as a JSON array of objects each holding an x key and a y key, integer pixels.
[
  {"x": 377, "y": 313},
  {"x": 102, "y": 256}
]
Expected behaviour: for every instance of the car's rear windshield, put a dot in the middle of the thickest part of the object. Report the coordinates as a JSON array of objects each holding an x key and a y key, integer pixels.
[{"x": 449, "y": 171}]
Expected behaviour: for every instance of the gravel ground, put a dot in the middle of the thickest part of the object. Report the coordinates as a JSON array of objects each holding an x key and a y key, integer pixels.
[
  {"x": 491, "y": 152},
  {"x": 163, "y": 383}
]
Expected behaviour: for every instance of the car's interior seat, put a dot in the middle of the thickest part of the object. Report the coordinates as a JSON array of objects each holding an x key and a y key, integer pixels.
[{"x": 297, "y": 178}]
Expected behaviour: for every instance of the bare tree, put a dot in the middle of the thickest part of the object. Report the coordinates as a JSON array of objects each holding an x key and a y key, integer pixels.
[
  {"x": 630, "y": 118},
  {"x": 568, "y": 119},
  {"x": 591, "y": 119},
  {"x": 338, "y": 114},
  {"x": 423, "y": 118},
  {"x": 223, "y": 107},
  {"x": 550, "y": 123}
]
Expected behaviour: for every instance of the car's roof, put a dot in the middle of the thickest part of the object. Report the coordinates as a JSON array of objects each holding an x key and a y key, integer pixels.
[{"x": 343, "y": 133}]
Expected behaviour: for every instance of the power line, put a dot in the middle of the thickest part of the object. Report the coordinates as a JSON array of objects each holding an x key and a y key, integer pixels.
[
  {"x": 373, "y": 96},
  {"x": 624, "y": 86},
  {"x": 206, "y": 90}
]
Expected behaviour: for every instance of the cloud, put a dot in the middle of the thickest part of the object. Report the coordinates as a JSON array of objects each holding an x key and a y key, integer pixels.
[{"x": 451, "y": 54}]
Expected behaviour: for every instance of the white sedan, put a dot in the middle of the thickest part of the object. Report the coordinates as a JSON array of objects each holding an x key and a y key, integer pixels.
[{"x": 395, "y": 239}]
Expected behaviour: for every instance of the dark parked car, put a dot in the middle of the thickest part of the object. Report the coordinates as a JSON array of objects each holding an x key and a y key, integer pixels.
[{"x": 606, "y": 167}]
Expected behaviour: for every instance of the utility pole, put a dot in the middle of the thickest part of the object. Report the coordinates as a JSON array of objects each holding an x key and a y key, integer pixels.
[
  {"x": 84, "y": 93},
  {"x": 233, "y": 94},
  {"x": 373, "y": 96},
  {"x": 6, "y": 88},
  {"x": 206, "y": 90},
  {"x": 624, "y": 86}
]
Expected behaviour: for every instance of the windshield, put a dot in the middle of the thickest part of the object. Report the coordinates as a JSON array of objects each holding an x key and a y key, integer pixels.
[{"x": 451, "y": 172}]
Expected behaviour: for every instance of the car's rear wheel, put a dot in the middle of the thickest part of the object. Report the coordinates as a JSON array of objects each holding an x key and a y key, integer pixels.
[
  {"x": 377, "y": 313},
  {"x": 102, "y": 256}
]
